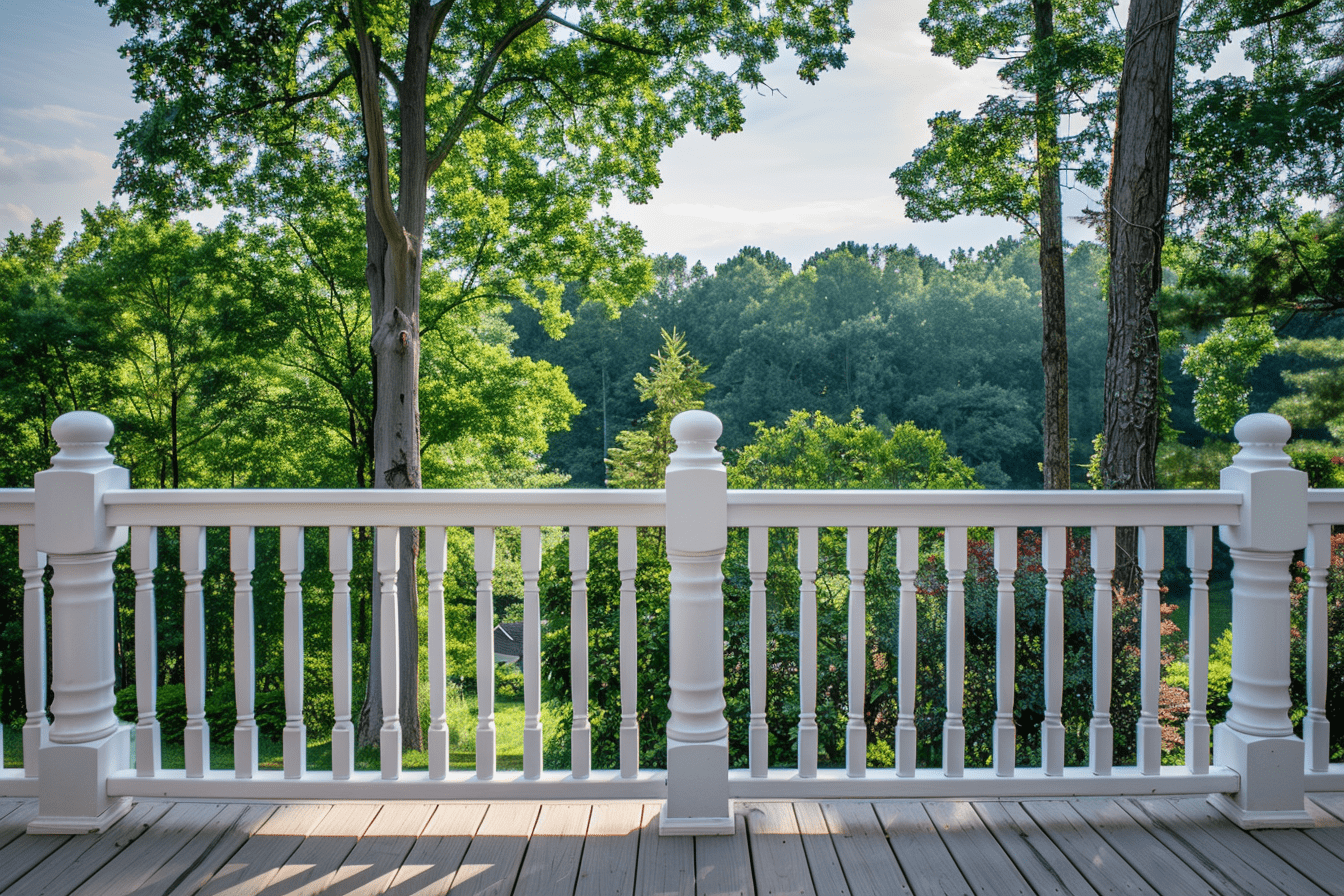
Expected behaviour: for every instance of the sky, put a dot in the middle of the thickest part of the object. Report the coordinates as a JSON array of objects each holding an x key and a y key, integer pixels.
[{"x": 810, "y": 169}]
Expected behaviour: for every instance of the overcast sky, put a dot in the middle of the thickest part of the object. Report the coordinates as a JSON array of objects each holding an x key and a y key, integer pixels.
[{"x": 811, "y": 169}]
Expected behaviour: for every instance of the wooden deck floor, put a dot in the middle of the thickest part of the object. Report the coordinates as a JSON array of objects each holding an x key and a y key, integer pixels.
[{"x": 1180, "y": 847}]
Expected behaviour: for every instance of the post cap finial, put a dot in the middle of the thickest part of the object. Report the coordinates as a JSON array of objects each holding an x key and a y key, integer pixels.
[
  {"x": 1263, "y": 429},
  {"x": 696, "y": 426},
  {"x": 83, "y": 437}
]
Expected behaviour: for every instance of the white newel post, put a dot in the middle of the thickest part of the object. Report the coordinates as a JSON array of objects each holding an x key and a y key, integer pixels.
[
  {"x": 86, "y": 743},
  {"x": 697, "y": 539},
  {"x": 1257, "y": 739}
]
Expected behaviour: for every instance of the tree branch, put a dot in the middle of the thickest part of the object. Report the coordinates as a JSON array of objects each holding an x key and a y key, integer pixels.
[
  {"x": 375, "y": 134},
  {"x": 287, "y": 101},
  {"x": 391, "y": 75},
  {"x": 607, "y": 40},
  {"x": 1305, "y": 7}
]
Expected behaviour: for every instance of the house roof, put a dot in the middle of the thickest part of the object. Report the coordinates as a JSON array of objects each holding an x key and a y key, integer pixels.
[{"x": 509, "y": 642}]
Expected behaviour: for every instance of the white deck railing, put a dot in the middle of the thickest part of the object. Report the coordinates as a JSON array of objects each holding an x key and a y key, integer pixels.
[{"x": 81, "y": 511}]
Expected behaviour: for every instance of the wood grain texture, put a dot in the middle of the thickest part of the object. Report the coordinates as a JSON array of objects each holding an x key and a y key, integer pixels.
[
  {"x": 495, "y": 855},
  {"x": 251, "y": 868},
  {"x": 220, "y": 838},
  {"x": 778, "y": 857},
  {"x": 431, "y": 865},
  {"x": 723, "y": 864},
  {"x": 1161, "y": 868},
  {"x": 551, "y": 866},
  {"x": 666, "y": 865},
  {"x": 870, "y": 867},
  {"x": 308, "y": 871},
  {"x": 611, "y": 850},
  {"x": 1087, "y": 850},
  {"x": 984, "y": 864},
  {"x": 1033, "y": 854},
  {"x": 79, "y": 858},
  {"x": 130, "y": 868},
  {"x": 928, "y": 866}
]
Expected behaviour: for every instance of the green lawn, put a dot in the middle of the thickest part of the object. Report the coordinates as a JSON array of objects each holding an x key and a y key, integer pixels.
[{"x": 1220, "y": 611}]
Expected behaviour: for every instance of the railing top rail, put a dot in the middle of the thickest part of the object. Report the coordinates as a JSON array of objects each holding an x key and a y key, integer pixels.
[
  {"x": 1185, "y": 507},
  {"x": 385, "y": 507},
  {"x": 16, "y": 507},
  {"x": 1325, "y": 505}
]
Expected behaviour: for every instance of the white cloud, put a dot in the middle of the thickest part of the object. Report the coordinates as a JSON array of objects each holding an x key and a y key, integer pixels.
[
  {"x": 36, "y": 164},
  {"x": 64, "y": 115},
  {"x": 15, "y": 217}
]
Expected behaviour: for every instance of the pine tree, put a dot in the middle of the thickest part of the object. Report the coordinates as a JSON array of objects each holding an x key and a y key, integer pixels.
[{"x": 639, "y": 459}]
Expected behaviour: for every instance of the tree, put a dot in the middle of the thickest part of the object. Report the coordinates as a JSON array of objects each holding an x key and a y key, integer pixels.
[
  {"x": 640, "y": 457},
  {"x": 478, "y": 135},
  {"x": 1006, "y": 161}
]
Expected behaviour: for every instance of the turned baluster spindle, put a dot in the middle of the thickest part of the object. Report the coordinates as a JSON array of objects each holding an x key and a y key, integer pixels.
[
  {"x": 1199, "y": 557},
  {"x": 1149, "y": 728},
  {"x": 856, "y": 731},
  {"x": 758, "y": 734},
  {"x": 1054, "y": 555},
  {"x": 436, "y": 562},
  {"x": 294, "y": 738},
  {"x": 954, "y": 729},
  {"x": 33, "y": 563},
  {"x": 485, "y": 653},
  {"x": 196, "y": 738},
  {"x": 627, "y": 562},
  {"x": 581, "y": 732},
  {"x": 1100, "y": 734},
  {"x": 242, "y": 560},
  {"x": 1005, "y": 664},
  {"x": 387, "y": 559},
  {"x": 807, "y": 652},
  {"x": 530, "y": 557},
  {"x": 907, "y": 563},
  {"x": 148, "y": 741},
  {"x": 1316, "y": 727},
  {"x": 341, "y": 556}
]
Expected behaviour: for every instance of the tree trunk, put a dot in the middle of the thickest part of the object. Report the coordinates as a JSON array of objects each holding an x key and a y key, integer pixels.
[
  {"x": 1137, "y": 209},
  {"x": 1054, "y": 333}
]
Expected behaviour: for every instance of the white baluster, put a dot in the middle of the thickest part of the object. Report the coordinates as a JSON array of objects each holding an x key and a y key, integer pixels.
[
  {"x": 33, "y": 563},
  {"x": 387, "y": 547},
  {"x": 627, "y": 562},
  {"x": 807, "y": 652},
  {"x": 242, "y": 560},
  {"x": 907, "y": 563},
  {"x": 954, "y": 730},
  {"x": 436, "y": 561},
  {"x": 1100, "y": 734},
  {"x": 196, "y": 738},
  {"x": 294, "y": 739},
  {"x": 485, "y": 653},
  {"x": 1316, "y": 727},
  {"x": 581, "y": 732},
  {"x": 856, "y": 732},
  {"x": 144, "y": 560},
  {"x": 758, "y": 735},
  {"x": 1005, "y": 668},
  {"x": 1149, "y": 729},
  {"x": 530, "y": 559},
  {"x": 1054, "y": 554},
  {"x": 340, "y": 559},
  {"x": 1199, "y": 557}
]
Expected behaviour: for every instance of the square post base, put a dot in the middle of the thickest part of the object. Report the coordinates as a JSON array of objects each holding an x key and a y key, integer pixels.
[
  {"x": 697, "y": 790},
  {"x": 1273, "y": 785},
  {"x": 72, "y": 791}
]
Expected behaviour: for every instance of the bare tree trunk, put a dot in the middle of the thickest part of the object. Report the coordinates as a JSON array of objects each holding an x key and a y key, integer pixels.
[
  {"x": 1054, "y": 331},
  {"x": 1137, "y": 210}
]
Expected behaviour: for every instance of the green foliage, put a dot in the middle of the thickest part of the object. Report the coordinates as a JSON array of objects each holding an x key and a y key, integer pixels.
[
  {"x": 1318, "y": 400},
  {"x": 640, "y": 457},
  {"x": 1221, "y": 364}
]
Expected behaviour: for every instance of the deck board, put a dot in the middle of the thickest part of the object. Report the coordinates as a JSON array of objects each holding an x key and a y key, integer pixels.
[{"x": 1169, "y": 845}]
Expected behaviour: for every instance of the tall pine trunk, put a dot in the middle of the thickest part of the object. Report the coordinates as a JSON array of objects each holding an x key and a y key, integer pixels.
[
  {"x": 1054, "y": 332},
  {"x": 1137, "y": 210}
]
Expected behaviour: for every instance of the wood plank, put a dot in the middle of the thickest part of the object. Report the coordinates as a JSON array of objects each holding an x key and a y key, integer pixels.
[
  {"x": 130, "y": 868},
  {"x": 15, "y": 823},
  {"x": 78, "y": 858},
  {"x": 778, "y": 857},
  {"x": 551, "y": 866},
  {"x": 1089, "y": 852},
  {"x": 310, "y": 868},
  {"x": 251, "y": 868},
  {"x": 1034, "y": 854},
  {"x": 666, "y": 865},
  {"x": 929, "y": 867},
  {"x": 495, "y": 855},
  {"x": 610, "y": 851},
  {"x": 1163, "y": 869},
  {"x": 822, "y": 861},
  {"x": 373, "y": 864},
  {"x": 1331, "y": 802},
  {"x": 431, "y": 865},
  {"x": 983, "y": 863},
  {"x": 723, "y": 864},
  {"x": 1225, "y": 855},
  {"x": 1306, "y": 855},
  {"x": 219, "y": 839},
  {"x": 864, "y": 852},
  {"x": 1329, "y": 830}
]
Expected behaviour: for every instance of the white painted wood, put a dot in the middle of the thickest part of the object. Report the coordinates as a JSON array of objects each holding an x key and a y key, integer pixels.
[
  {"x": 485, "y": 652},
  {"x": 144, "y": 560},
  {"x": 856, "y": 731},
  {"x": 807, "y": 652},
  {"x": 340, "y": 559},
  {"x": 436, "y": 561},
  {"x": 32, "y": 564},
  {"x": 387, "y": 559},
  {"x": 530, "y": 560},
  {"x": 954, "y": 729},
  {"x": 627, "y": 562},
  {"x": 1005, "y": 652},
  {"x": 581, "y": 731},
  {"x": 196, "y": 738},
  {"x": 1054, "y": 554},
  {"x": 242, "y": 560},
  {"x": 1199, "y": 558},
  {"x": 294, "y": 738},
  {"x": 758, "y": 734},
  {"x": 1316, "y": 727},
  {"x": 907, "y": 563},
  {"x": 1100, "y": 733},
  {"x": 1149, "y": 732}
]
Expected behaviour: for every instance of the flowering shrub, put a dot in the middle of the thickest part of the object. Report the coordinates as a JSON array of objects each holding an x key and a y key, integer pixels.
[{"x": 1334, "y": 602}]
